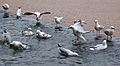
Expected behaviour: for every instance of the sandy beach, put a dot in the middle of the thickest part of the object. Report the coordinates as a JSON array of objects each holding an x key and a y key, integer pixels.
[{"x": 106, "y": 11}]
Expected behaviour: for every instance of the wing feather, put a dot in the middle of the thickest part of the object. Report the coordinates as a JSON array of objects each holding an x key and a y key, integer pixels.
[
  {"x": 45, "y": 13},
  {"x": 28, "y": 13}
]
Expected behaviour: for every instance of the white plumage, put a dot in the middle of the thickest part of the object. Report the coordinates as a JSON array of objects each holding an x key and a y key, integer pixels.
[
  {"x": 67, "y": 52},
  {"x": 58, "y": 19},
  {"x": 78, "y": 31},
  {"x": 18, "y": 12},
  {"x": 98, "y": 27},
  {"x": 79, "y": 26},
  {"x": 28, "y": 32},
  {"x": 18, "y": 45},
  {"x": 100, "y": 46},
  {"x": 41, "y": 34}
]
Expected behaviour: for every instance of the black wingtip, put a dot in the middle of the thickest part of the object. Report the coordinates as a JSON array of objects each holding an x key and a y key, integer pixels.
[
  {"x": 59, "y": 45},
  {"x": 28, "y": 13},
  {"x": 5, "y": 30},
  {"x": 48, "y": 12}
]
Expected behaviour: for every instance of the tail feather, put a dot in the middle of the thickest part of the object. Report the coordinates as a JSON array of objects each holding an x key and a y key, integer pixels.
[{"x": 92, "y": 49}]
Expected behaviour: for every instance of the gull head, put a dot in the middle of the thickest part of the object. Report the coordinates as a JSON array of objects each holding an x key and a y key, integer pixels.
[
  {"x": 96, "y": 21},
  {"x": 82, "y": 23},
  {"x": 104, "y": 42},
  {"x": 112, "y": 27},
  {"x": 29, "y": 29},
  {"x": 38, "y": 31},
  {"x": 19, "y": 7}
]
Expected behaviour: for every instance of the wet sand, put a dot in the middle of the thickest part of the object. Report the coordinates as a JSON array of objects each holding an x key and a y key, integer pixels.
[{"x": 106, "y": 11}]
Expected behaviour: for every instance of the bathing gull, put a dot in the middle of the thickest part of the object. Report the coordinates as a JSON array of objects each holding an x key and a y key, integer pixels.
[
  {"x": 98, "y": 28},
  {"x": 5, "y": 6},
  {"x": 66, "y": 52},
  {"x": 28, "y": 32},
  {"x": 43, "y": 35},
  {"x": 100, "y": 46},
  {"x": 37, "y": 14},
  {"x": 18, "y": 45},
  {"x": 109, "y": 32},
  {"x": 78, "y": 31},
  {"x": 58, "y": 21},
  {"x": 6, "y": 37},
  {"x": 18, "y": 13},
  {"x": 6, "y": 13}
]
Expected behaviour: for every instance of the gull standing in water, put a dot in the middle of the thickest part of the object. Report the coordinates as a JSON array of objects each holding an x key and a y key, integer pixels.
[
  {"x": 58, "y": 21},
  {"x": 100, "y": 46},
  {"x": 66, "y": 52},
  {"x": 109, "y": 32},
  {"x": 98, "y": 28},
  {"x": 18, "y": 13}
]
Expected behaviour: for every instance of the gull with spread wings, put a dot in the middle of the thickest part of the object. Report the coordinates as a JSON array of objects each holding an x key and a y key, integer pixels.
[{"x": 37, "y": 14}]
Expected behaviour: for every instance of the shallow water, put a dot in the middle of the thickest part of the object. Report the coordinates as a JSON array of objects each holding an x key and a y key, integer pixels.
[{"x": 45, "y": 52}]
